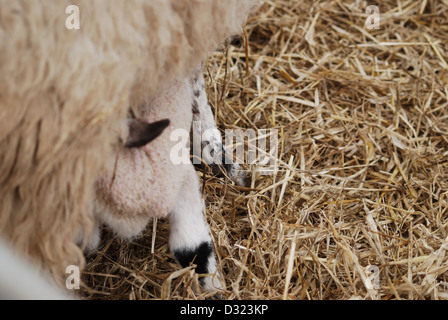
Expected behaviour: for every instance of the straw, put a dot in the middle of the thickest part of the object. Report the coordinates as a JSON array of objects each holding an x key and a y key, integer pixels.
[{"x": 363, "y": 116}]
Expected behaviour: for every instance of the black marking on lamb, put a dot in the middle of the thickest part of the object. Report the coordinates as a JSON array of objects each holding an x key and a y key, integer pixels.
[
  {"x": 195, "y": 107},
  {"x": 141, "y": 133},
  {"x": 199, "y": 256},
  {"x": 197, "y": 93}
]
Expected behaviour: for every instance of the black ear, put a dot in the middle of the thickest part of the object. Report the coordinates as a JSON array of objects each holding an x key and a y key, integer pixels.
[{"x": 141, "y": 133}]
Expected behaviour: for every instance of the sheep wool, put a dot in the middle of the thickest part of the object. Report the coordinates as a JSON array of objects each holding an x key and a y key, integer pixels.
[{"x": 64, "y": 95}]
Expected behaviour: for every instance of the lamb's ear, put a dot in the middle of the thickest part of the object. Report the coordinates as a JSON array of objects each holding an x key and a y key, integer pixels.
[{"x": 141, "y": 133}]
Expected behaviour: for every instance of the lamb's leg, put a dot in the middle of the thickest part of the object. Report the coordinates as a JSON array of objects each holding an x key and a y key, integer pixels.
[
  {"x": 207, "y": 142},
  {"x": 190, "y": 240}
]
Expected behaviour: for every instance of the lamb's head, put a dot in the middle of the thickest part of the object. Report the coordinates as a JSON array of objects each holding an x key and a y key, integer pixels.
[
  {"x": 127, "y": 191},
  {"x": 139, "y": 134}
]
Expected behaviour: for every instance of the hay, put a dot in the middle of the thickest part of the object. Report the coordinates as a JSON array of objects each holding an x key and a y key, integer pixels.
[{"x": 358, "y": 208}]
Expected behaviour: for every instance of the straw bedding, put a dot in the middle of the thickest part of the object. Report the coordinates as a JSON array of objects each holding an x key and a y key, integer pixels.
[{"x": 358, "y": 206}]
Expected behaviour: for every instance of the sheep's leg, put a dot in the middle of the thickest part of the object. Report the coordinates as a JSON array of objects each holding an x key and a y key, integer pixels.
[
  {"x": 190, "y": 240},
  {"x": 207, "y": 142}
]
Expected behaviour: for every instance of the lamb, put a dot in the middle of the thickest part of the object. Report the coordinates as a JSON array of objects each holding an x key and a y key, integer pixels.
[
  {"x": 64, "y": 96},
  {"x": 143, "y": 181}
]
